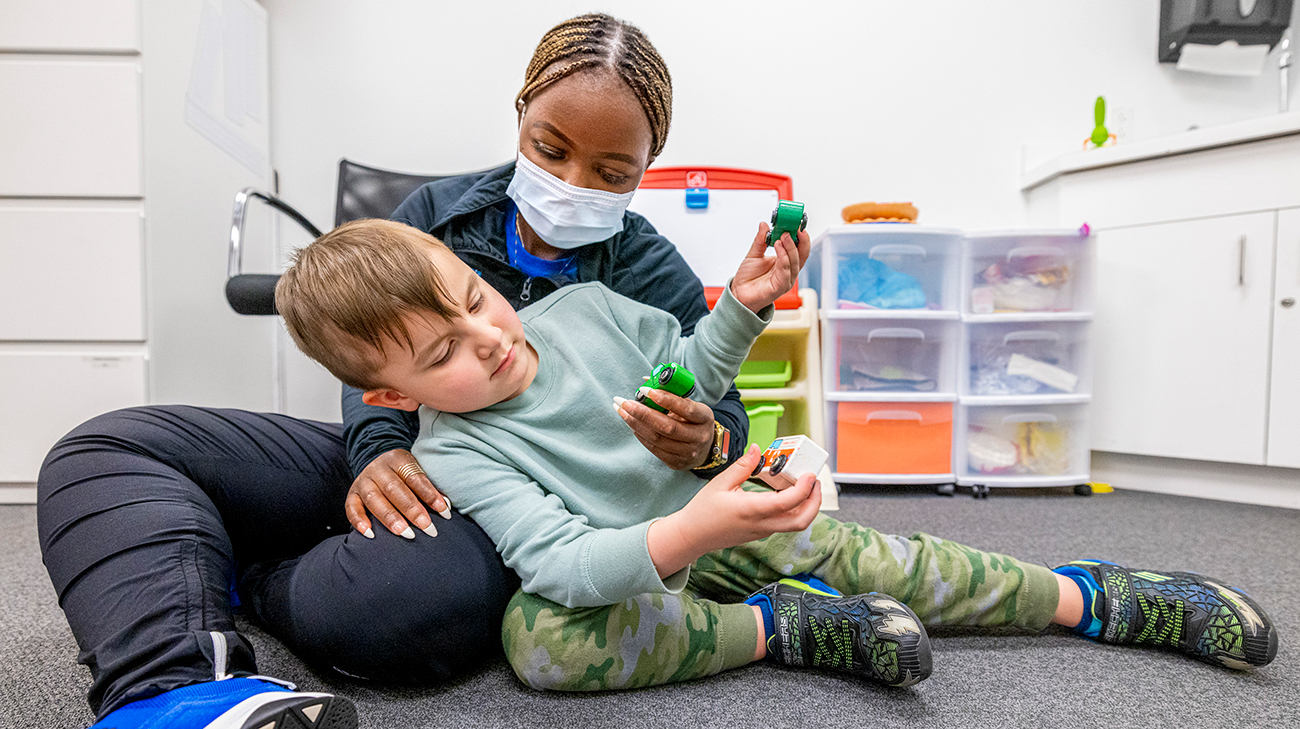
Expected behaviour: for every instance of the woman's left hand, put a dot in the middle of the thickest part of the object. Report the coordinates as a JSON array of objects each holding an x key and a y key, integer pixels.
[
  {"x": 681, "y": 438},
  {"x": 762, "y": 278}
]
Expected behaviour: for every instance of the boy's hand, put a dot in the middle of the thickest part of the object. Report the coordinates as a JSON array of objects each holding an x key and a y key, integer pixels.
[
  {"x": 724, "y": 515},
  {"x": 392, "y": 485},
  {"x": 762, "y": 278}
]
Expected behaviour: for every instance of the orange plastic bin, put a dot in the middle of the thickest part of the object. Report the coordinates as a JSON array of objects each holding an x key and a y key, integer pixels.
[{"x": 894, "y": 437}]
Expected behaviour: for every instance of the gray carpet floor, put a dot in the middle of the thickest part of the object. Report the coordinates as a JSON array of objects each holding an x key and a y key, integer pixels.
[{"x": 979, "y": 680}]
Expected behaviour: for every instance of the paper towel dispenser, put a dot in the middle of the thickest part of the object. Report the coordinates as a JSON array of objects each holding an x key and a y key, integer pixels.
[{"x": 1212, "y": 22}]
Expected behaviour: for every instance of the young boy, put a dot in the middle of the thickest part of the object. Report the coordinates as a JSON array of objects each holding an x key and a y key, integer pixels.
[{"x": 633, "y": 574}]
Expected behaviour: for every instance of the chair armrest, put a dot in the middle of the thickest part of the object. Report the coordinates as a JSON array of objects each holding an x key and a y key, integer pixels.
[{"x": 254, "y": 293}]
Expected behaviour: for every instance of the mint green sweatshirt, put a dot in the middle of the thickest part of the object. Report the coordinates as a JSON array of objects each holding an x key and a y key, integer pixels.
[{"x": 554, "y": 476}]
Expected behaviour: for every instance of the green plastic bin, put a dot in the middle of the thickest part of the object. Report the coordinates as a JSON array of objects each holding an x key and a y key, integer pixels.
[
  {"x": 762, "y": 423},
  {"x": 764, "y": 373}
]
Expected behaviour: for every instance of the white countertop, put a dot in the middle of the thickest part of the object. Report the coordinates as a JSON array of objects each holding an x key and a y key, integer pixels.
[{"x": 1224, "y": 135}]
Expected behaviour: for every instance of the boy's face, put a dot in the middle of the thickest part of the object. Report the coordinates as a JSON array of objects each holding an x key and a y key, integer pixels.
[{"x": 478, "y": 359}]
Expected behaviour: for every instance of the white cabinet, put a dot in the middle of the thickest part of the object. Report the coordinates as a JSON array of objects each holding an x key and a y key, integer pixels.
[
  {"x": 1284, "y": 393},
  {"x": 1183, "y": 328},
  {"x": 1198, "y": 246},
  {"x": 114, "y": 217}
]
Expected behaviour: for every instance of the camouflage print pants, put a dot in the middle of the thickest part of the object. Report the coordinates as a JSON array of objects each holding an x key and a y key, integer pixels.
[{"x": 658, "y": 638}]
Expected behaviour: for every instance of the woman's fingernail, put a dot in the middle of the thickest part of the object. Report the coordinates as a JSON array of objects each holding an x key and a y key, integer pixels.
[
  {"x": 618, "y": 401},
  {"x": 423, "y": 522},
  {"x": 431, "y": 530},
  {"x": 446, "y": 511},
  {"x": 368, "y": 533},
  {"x": 409, "y": 533}
]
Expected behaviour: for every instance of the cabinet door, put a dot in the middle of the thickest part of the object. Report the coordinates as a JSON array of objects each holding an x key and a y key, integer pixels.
[
  {"x": 46, "y": 393},
  {"x": 1183, "y": 338},
  {"x": 72, "y": 271},
  {"x": 78, "y": 125},
  {"x": 1284, "y": 396},
  {"x": 70, "y": 25}
]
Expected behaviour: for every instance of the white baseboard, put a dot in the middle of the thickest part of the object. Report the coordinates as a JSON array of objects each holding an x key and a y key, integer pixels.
[
  {"x": 17, "y": 493},
  {"x": 1245, "y": 484}
]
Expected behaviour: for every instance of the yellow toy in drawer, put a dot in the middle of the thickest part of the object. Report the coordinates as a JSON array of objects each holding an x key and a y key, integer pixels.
[{"x": 788, "y": 458}]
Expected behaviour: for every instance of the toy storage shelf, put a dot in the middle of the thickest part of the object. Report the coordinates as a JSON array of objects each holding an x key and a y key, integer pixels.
[
  {"x": 891, "y": 327},
  {"x": 1025, "y": 359},
  {"x": 792, "y": 335},
  {"x": 974, "y": 367}
]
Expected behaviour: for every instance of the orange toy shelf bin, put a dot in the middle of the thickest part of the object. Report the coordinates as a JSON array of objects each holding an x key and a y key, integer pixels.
[{"x": 894, "y": 437}]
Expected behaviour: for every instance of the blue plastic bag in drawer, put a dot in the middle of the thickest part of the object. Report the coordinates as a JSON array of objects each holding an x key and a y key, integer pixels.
[{"x": 867, "y": 281}]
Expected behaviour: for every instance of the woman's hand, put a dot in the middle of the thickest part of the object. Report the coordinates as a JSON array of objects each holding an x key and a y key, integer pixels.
[
  {"x": 762, "y": 278},
  {"x": 723, "y": 514},
  {"x": 392, "y": 485},
  {"x": 681, "y": 438}
]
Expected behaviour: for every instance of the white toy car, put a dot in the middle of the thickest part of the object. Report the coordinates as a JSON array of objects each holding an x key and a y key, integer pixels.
[{"x": 788, "y": 458}]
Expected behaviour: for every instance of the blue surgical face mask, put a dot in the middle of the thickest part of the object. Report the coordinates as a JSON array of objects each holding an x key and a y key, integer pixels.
[{"x": 563, "y": 215}]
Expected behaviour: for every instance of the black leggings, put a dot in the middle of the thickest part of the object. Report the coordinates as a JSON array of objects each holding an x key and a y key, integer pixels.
[{"x": 148, "y": 516}]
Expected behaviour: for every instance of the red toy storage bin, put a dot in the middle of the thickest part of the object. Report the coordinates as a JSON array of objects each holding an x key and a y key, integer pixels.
[{"x": 894, "y": 437}]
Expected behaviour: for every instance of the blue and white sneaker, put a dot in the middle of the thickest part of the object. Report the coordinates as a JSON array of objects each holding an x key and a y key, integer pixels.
[{"x": 236, "y": 703}]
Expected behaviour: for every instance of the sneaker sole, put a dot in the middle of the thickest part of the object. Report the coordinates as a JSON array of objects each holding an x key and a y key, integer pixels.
[{"x": 289, "y": 711}]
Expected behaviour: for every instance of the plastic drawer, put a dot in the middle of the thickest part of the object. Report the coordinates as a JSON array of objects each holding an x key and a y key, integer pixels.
[
  {"x": 893, "y": 437},
  {"x": 887, "y": 267},
  {"x": 887, "y": 355},
  {"x": 1028, "y": 271},
  {"x": 1015, "y": 359},
  {"x": 1025, "y": 444}
]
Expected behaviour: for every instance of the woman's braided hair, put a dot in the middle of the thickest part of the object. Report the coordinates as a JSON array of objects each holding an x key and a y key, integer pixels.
[{"x": 596, "y": 41}]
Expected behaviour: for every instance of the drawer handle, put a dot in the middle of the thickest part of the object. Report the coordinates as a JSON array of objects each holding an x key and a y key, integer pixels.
[
  {"x": 1029, "y": 418},
  {"x": 901, "y": 333},
  {"x": 896, "y": 249},
  {"x": 1031, "y": 335},
  {"x": 1241, "y": 261},
  {"x": 894, "y": 415},
  {"x": 1035, "y": 251}
]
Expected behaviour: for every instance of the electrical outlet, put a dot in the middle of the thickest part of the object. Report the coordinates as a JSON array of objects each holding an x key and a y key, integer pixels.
[{"x": 1119, "y": 121}]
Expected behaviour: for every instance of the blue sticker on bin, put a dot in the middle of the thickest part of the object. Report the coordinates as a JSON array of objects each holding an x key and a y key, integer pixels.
[{"x": 697, "y": 198}]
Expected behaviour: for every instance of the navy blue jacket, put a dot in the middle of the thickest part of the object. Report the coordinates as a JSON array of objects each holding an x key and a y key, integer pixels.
[{"x": 468, "y": 213}]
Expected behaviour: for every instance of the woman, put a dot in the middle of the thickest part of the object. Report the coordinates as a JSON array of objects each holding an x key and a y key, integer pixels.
[{"x": 149, "y": 516}]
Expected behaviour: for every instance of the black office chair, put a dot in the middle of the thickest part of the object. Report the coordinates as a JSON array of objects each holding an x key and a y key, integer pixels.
[{"x": 363, "y": 192}]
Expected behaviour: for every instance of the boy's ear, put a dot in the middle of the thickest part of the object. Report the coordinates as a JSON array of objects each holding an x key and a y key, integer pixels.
[{"x": 386, "y": 398}]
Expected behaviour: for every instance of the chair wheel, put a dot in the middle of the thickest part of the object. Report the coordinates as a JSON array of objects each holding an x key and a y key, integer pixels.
[
  {"x": 1083, "y": 489},
  {"x": 945, "y": 489},
  {"x": 979, "y": 491}
]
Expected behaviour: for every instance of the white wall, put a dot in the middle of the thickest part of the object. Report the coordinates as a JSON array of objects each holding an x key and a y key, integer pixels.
[{"x": 933, "y": 102}]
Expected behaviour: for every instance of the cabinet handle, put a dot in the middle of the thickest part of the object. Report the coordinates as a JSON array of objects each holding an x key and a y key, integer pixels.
[
  {"x": 1241, "y": 261},
  {"x": 1288, "y": 302}
]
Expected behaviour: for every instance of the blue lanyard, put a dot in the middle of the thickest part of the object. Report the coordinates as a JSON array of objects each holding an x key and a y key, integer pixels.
[{"x": 561, "y": 270}]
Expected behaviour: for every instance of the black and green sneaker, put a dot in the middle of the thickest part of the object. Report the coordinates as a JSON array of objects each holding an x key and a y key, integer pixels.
[
  {"x": 873, "y": 636},
  {"x": 1182, "y": 611}
]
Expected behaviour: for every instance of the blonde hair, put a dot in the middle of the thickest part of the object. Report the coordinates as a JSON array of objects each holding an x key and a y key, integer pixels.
[
  {"x": 348, "y": 291},
  {"x": 599, "y": 41}
]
